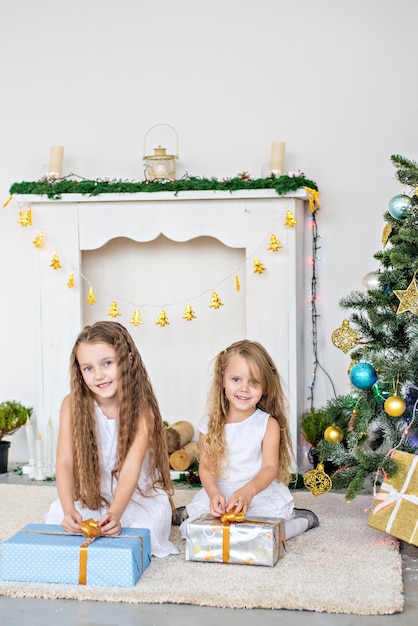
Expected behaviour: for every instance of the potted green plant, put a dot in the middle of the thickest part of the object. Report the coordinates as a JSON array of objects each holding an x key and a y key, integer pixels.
[
  {"x": 13, "y": 415},
  {"x": 314, "y": 423}
]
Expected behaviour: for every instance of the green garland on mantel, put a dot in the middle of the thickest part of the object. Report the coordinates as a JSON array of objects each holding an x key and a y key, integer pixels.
[{"x": 55, "y": 189}]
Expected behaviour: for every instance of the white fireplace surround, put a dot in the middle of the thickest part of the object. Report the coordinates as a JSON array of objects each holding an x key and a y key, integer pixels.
[{"x": 269, "y": 308}]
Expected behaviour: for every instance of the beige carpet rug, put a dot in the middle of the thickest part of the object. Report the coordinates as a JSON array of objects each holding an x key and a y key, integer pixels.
[{"x": 343, "y": 566}]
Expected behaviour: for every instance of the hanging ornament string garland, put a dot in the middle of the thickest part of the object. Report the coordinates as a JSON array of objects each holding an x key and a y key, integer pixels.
[
  {"x": 270, "y": 242},
  {"x": 26, "y": 219}
]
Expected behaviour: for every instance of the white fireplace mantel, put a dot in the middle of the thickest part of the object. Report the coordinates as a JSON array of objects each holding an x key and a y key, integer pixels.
[{"x": 274, "y": 300}]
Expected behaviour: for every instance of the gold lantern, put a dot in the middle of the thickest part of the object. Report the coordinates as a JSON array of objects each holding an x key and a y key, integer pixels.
[{"x": 160, "y": 165}]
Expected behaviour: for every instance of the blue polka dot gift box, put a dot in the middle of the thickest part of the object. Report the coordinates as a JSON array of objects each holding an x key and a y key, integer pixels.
[
  {"x": 235, "y": 539},
  {"x": 44, "y": 553}
]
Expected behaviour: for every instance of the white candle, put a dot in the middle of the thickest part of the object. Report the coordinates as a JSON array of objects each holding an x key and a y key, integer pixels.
[
  {"x": 56, "y": 157},
  {"x": 49, "y": 441},
  {"x": 30, "y": 440},
  {"x": 278, "y": 151},
  {"x": 38, "y": 448}
]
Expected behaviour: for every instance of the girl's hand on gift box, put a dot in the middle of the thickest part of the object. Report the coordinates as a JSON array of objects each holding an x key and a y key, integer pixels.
[
  {"x": 239, "y": 501},
  {"x": 71, "y": 522},
  {"x": 217, "y": 504},
  {"x": 110, "y": 524}
]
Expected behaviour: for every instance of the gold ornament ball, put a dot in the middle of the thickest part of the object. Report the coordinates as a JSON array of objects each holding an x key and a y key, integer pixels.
[
  {"x": 334, "y": 434},
  {"x": 395, "y": 406}
]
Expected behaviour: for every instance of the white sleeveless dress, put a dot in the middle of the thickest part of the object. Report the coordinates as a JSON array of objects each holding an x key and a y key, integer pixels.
[
  {"x": 153, "y": 512},
  {"x": 244, "y": 443}
]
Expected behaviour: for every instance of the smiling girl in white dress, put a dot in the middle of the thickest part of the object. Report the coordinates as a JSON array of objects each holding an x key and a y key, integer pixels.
[
  {"x": 112, "y": 460},
  {"x": 245, "y": 446}
]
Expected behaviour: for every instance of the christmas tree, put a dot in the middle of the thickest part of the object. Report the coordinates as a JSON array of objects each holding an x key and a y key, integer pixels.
[{"x": 381, "y": 334}]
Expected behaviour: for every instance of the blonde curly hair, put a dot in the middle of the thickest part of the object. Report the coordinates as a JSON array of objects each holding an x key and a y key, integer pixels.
[
  {"x": 272, "y": 401},
  {"x": 137, "y": 402}
]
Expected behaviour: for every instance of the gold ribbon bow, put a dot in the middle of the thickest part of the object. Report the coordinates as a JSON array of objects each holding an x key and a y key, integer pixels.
[
  {"x": 313, "y": 199},
  {"x": 231, "y": 517},
  {"x": 91, "y": 530}
]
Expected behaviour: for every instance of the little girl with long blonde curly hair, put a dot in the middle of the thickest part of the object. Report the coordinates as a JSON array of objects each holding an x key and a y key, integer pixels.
[
  {"x": 245, "y": 445},
  {"x": 112, "y": 460}
]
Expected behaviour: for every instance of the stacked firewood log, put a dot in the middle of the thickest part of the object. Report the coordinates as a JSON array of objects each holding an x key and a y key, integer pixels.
[{"x": 182, "y": 450}]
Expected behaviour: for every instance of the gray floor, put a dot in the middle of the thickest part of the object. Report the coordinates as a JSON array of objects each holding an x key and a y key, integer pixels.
[{"x": 28, "y": 612}]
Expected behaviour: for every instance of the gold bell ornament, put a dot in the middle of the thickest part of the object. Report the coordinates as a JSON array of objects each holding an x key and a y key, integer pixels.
[{"x": 160, "y": 165}]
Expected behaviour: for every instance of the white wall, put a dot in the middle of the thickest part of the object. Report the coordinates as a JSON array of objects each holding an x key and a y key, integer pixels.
[{"x": 335, "y": 80}]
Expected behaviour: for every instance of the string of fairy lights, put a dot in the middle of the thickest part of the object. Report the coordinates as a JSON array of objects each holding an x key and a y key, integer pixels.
[
  {"x": 314, "y": 313},
  {"x": 27, "y": 219}
]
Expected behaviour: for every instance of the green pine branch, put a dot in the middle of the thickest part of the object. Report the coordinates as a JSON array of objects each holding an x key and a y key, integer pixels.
[{"x": 407, "y": 170}]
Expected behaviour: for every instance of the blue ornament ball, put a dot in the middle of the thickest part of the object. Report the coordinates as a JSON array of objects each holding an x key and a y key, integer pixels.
[
  {"x": 363, "y": 375},
  {"x": 398, "y": 205}
]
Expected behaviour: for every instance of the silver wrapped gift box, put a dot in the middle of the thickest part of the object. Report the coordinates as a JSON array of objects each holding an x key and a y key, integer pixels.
[{"x": 235, "y": 539}]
